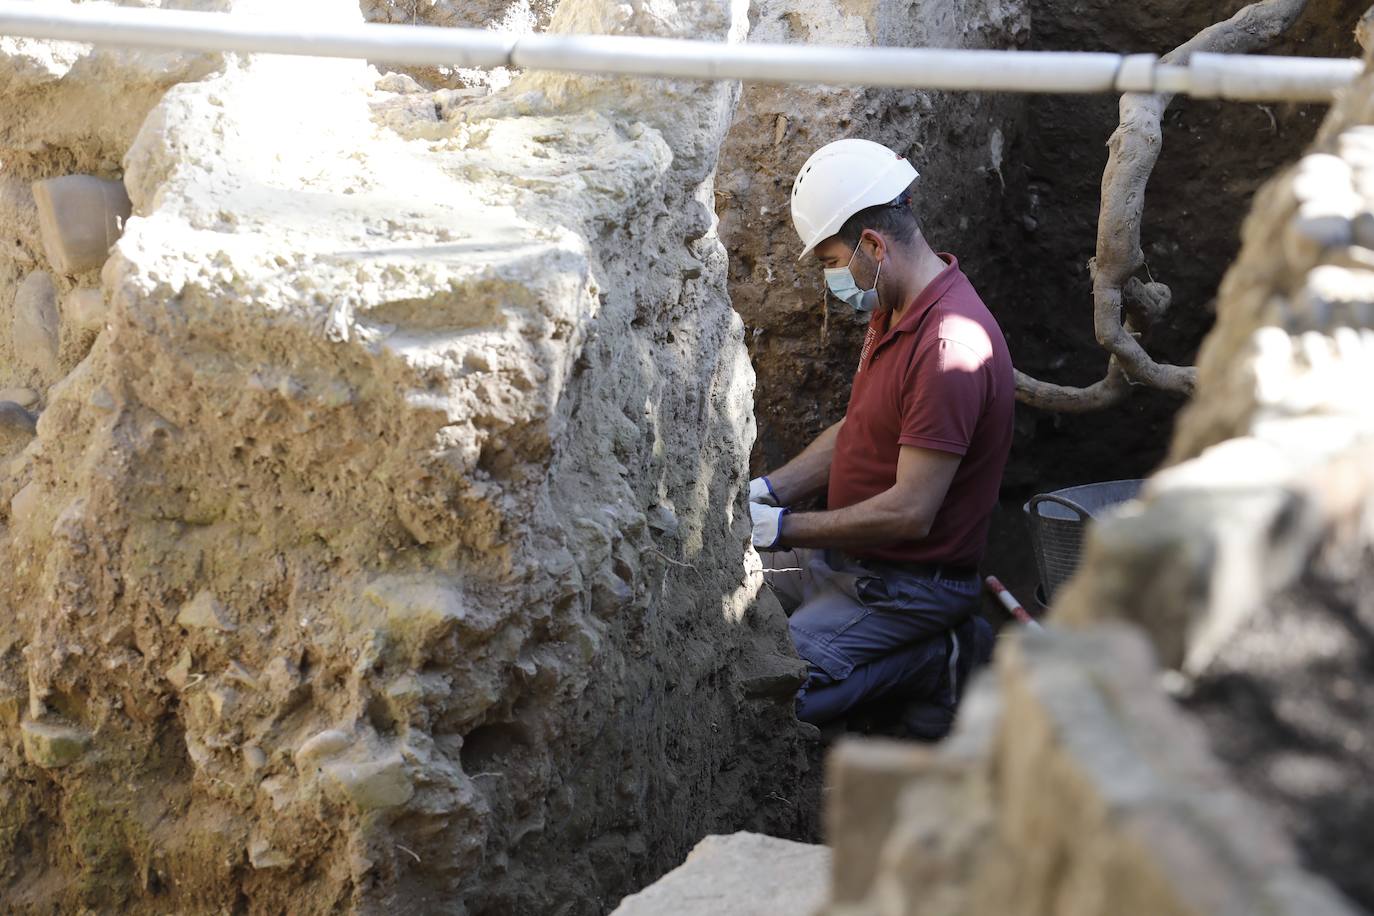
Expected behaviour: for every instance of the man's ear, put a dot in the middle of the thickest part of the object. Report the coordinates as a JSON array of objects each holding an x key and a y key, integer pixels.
[{"x": 877, "y": 245}]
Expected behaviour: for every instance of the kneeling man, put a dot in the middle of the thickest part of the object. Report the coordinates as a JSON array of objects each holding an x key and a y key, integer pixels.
[{"x": 882, "y": 587}]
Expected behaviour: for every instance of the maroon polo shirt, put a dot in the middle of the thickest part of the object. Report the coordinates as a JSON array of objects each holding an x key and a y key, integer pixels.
[{"x": 940, "y": 379}]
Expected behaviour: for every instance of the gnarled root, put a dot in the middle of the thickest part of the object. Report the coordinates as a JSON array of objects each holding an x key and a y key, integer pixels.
[{"x": 1123, "y": 307}]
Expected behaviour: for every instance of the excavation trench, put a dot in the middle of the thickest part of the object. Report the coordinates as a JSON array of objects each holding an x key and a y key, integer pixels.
[{"x": 380, "y": 545}]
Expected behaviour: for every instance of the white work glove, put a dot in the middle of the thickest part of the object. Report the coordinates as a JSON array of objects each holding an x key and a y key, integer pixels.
[
  {"x": 767, "y": 525},
  {"x": 761, "y": 491}
]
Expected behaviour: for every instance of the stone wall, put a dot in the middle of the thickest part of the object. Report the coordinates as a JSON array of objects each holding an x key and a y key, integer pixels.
[
  {"x": 1071, "y": 787},
  {"x": 386, "y": 551}
]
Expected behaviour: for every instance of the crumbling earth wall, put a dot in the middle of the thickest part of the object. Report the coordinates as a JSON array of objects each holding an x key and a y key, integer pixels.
[{"x": 386, "y": 552}]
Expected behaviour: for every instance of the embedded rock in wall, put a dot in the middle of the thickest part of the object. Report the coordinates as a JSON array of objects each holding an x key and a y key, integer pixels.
[
  {"x": 34, "y": 328},
  {"x": 962, "y": 143},
  {"x": 387, "y": 551}
]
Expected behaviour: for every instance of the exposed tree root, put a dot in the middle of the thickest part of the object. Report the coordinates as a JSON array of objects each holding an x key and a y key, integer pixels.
[
  {"x": 1123, "y": 307},
  {"x": 1110, "y": 390}
]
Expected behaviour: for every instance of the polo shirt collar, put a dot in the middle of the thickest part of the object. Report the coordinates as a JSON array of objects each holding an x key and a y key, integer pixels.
[{"x": 929, "y": 296}]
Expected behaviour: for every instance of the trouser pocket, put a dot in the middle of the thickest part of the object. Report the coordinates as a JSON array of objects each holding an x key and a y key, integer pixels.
[{"x": 939, "y": 605}]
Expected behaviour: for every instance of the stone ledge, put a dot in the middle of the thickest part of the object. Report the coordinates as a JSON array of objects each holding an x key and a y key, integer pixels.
[
  {"x": 1089, "y": 793},
  {"x": 743, "y": 874}
]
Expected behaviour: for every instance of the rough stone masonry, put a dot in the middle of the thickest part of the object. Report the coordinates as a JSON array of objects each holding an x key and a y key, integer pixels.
[{"x": 379, "y": 543}]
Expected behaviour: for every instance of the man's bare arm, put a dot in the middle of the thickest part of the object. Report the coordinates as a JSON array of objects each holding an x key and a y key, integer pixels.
[
  {"x": 808, "y": 473},
  {"x": 904, "y": 512}
]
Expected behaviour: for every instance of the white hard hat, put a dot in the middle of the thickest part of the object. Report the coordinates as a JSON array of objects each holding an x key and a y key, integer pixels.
[{"x": 839, "y": 180}]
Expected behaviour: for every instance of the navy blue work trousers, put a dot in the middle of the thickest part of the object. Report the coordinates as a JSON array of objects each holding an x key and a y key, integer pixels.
[{"x": 867, "y": 631}]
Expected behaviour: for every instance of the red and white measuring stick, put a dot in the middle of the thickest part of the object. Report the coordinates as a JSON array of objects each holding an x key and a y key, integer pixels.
[{"x": 1009, "y": 602}]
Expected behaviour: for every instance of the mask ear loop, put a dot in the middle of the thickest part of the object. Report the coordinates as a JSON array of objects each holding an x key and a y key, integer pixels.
[{"x": 877, "y": 299}]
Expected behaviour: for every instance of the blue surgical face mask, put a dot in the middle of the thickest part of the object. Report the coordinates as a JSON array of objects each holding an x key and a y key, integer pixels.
[{"x": 842, "y": 286}]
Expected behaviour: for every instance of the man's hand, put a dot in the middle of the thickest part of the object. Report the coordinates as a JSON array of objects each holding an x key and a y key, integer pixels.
[
  {"x": 767, "y": 525},
  {"x": 761, "y": 491}
]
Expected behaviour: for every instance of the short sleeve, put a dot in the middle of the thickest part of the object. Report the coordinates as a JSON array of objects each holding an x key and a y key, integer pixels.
[{"x": 943, "y": 396}]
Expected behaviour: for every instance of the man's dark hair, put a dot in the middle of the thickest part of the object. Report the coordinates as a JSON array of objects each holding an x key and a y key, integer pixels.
[{"x": 894, "y": 221}]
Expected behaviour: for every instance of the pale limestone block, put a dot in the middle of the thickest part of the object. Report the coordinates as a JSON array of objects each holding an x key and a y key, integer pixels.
[
  {"x": 51, "y": 746},
  {"x": 80, "y": 217},
  {"x": 743, "y": 874}
]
